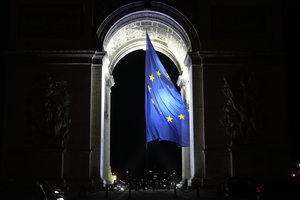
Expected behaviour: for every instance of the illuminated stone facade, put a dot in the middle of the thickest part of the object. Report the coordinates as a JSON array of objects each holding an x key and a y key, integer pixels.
[
  {"x": 128, "y": 34},
  {"x": 82, "y": 41}
]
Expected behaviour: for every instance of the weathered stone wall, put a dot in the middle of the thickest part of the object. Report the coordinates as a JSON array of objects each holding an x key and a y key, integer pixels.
[
  {"x": 262, "y": 152},
  {"x": 237, "y": 38},
  {"x": 31, "y": 152}
]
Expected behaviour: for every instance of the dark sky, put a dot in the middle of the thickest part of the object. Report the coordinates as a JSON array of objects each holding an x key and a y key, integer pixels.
[
  {"x": 128, "y": 136},
  {"x": 291, "y": 36}
]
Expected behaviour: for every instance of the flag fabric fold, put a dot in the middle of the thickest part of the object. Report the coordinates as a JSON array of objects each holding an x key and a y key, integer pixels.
[{"x": 167, "y": 117}]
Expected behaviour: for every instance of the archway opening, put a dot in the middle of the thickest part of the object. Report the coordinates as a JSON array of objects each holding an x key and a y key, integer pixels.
[
  {"x": 122, "y": 34},
  {"x": 130, "y": 156}
]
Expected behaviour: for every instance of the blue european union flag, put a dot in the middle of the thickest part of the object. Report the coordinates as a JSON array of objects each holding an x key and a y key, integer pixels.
[{"x": 167, "y": 117}]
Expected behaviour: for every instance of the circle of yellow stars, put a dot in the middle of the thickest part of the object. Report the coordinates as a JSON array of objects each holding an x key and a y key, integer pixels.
[{"x": 151, "y": 78}]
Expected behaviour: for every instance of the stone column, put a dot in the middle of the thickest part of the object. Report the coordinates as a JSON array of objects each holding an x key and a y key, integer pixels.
[
  {"x": 95, "y": 117},
  {"x": 183, "y": 83},
  {"x": 107, "y": 83},
  {"x": 197, "y": 106}
]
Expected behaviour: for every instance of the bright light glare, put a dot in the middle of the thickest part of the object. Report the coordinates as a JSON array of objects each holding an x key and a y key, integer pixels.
[{"x": 178, "y": 185}]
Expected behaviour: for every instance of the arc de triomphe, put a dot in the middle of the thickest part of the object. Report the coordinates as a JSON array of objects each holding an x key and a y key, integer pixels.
[{"x": 172, "y": 34}]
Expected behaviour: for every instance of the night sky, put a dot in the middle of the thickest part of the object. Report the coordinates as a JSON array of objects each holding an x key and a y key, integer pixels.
[
  {"x": 291, "y": 37},
  {"x": 129, "y": 150}
]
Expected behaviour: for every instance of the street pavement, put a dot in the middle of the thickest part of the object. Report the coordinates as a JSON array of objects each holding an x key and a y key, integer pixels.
[{"x": 149, "y": 195}]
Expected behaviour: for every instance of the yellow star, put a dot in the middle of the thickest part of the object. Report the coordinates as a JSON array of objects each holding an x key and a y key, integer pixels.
[
  {"x": 149, "y": 88},
  {"x": 169, "y": 118},
  {"x": 152, "y": 101},
  {"x": 168, "y": 76},
  {"x": 181, "y": 116},
  {"x": 151, "y": 77},
  {"x": 158, "y": 73}
]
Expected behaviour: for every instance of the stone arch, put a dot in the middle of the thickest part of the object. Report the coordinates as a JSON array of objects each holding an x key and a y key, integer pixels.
[{"x": 123, "y": 32}]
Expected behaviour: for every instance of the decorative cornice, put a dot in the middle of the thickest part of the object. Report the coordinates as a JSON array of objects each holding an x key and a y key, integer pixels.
[
  {"x": 129, "y": 33},
  {"x": 150, "y": 6},
  {"x": 47, "y": 56},
  {"x": 193, "y": 58},
  {"x": 97, "y": 57},
  {"x": 236, "y": 57}
]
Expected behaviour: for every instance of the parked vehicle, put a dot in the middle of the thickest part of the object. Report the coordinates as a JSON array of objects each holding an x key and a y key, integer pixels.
[
  {"x": 29, "y": 190},
  {"x": 50, "y": 192},
  {"x": 280, "y": 189},
  {"x": 239, "y": 188}
]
